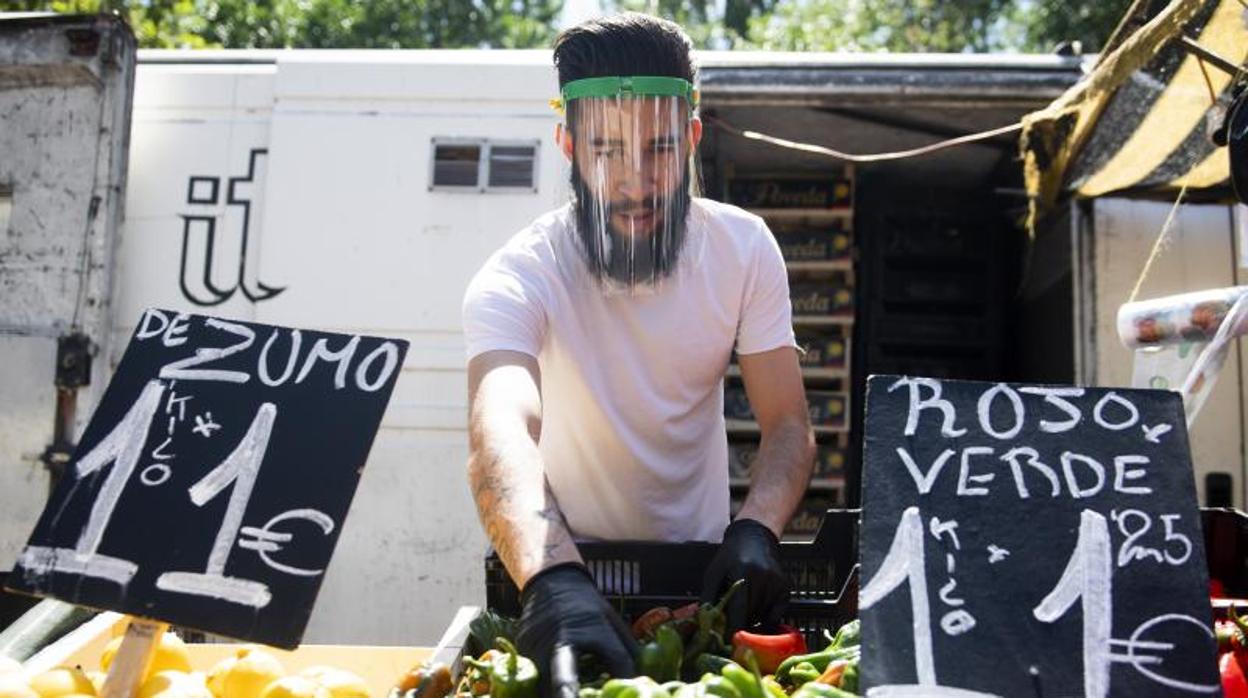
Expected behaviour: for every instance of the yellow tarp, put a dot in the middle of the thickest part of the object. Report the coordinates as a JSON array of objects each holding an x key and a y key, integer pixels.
[{"x": 1162, "y": 140}]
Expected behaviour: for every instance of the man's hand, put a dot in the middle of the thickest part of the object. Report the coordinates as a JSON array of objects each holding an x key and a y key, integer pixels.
[
  {"x": 750, "y": 551},
  {"x": 562, "y": 607},
  {"x": 786, "y": 451}
]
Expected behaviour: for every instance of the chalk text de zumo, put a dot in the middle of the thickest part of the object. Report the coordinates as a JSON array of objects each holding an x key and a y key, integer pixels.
[{"x": 371, "y": 372}]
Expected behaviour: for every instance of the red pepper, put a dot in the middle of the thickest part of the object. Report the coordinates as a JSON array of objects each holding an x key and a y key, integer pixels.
[
  {"x": 1234, "y": 685},
  {"x": 1236, "y": 638},
  {"x": 770, "y": 650},
  {"x": 1217, "y": 589},
  {"x": 1228, "y": 635}
]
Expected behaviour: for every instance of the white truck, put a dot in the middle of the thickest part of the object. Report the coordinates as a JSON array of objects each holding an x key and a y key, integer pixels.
[{"x": 358, "y": 191}]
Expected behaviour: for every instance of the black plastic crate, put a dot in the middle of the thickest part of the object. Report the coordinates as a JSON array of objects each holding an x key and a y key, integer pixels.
[
  {"x": 637, "y": 576},
  {"x": 1226, "y": 548}
]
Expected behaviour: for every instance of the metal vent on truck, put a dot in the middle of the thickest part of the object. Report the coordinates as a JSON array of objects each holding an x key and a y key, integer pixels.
[
  {"x": 456, "y": 164},
  {"x": 482, "y": 165},
  {"x": 512, "y": 166}
]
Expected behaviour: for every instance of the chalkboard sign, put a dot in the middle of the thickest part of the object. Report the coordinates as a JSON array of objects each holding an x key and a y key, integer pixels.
[
  {"x": 213, "y": 480},
  {"x": 1025, "y": 540}
]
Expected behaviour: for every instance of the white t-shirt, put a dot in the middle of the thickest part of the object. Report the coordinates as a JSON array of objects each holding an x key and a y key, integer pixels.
[{"x": 632, "y": 434}]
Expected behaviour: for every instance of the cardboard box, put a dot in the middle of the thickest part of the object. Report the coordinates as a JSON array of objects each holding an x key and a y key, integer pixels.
[
  {"x": 741, "y": 455},
  {"x": 830, "y": 242},
  {"x": 830, "y": 462},
  {"x": 833, "y": 296},
  {"x": 826, "y": 346},
  {"x": 828, "y": 192}
]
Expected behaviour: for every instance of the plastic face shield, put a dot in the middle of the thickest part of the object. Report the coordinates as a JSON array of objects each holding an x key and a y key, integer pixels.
[{"x": 631, "y": 175}]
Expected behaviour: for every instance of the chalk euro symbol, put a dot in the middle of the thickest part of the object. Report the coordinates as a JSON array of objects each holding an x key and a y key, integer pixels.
[{"x": 264, "y": 540}]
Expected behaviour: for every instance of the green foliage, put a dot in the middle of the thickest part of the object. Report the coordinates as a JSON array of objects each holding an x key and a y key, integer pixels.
[
  {"x": 794, "y": 25},
  {"x": 890, "y": 25},
  {"x": 885, "y": 25},
  {"x": 156, "y": 23},
  {"x": 325, "y": 23},
  {"x": 699, "y": 18},
  {"x": 1050, "y": 22}
]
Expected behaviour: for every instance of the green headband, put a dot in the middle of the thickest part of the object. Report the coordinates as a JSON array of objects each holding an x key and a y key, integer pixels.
[{"x": 627, "y": 86}]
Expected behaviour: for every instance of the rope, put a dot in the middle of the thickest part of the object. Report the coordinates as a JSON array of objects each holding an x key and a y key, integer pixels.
[
  {"x": 1158, "y": 245},
  {"x": 1213, "y": 97},
  {"x": 874, "y": 157}
]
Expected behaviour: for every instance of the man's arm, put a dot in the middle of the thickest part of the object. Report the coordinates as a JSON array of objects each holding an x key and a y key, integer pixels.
[
  {"x": 515, "y": 504},
  {"x": 781, "y": 470},
  {"x": 751, "y": 546}
]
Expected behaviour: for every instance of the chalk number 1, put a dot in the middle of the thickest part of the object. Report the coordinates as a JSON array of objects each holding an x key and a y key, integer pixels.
[
  {"x": 1087, "y": 579},
  {"x": 122, "y": 447}
]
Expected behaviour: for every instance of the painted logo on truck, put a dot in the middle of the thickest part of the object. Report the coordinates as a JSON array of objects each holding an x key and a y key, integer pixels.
[{"x": 199, "y": 281}]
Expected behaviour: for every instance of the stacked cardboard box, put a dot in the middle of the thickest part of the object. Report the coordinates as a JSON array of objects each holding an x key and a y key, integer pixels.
[{"x": 812, "y": 220}]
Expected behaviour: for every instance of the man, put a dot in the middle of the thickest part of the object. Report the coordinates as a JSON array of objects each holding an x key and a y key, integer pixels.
[{"x": 598, "y": 338}]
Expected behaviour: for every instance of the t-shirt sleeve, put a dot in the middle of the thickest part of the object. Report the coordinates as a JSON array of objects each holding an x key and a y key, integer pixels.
[
  {"x": 766, "y": 312},
  {"x": 503, "y": 309}
]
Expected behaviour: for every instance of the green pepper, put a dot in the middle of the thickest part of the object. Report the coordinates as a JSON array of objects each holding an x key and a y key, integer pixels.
[
  {"x": 487, "y": 627},
  {"x": 640, "y": 687},
  {"x": 849, "y": 635},
  {"x": 661, "y": 659},
  {"x": 819, "y": 660},
  {"x": 511, "y": 675},
  {"x": 803, "y": 672},
  {"x": 717, "y": 685},
  {"x": 849, "y": 680},
  {"x": 589, "y": 693},
  {"x": 746, "y": 683},
  {"x": 710, "y": 664},
  {"x": 821, "y": 690},
  {"x": 708, "y": 687},
  {"x": 711, "y": 622}
]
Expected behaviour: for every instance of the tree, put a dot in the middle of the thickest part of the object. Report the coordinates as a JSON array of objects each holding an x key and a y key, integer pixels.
[
  {"x": 883, "y": 25},
  {"x": 156, "y": 23},
  {"x": 702, "y": 20},
  {"x": 430, "y": 23},
  {"x": 1047, "y": 23},
  {"x": 796, "y": 25},
  {"x": 934, "y": 25},
  {"x": 326, "y": 23}
]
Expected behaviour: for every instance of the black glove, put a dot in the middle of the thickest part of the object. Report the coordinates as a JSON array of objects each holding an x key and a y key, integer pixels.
[
  {"x": 562, "y": 608},
  {"x": 750, "y": 551}
]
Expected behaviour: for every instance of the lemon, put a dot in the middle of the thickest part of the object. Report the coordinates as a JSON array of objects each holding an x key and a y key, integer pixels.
[
  {"x": 62, "y": 681},
  {"x": 12, "y": 686},
  {"x": 171, "y": 655},
  {"x": 244, "y": 675},
  {"x": 340, "y": 682},
  {"x": 173, "y": 684},
  {"x": 216, "y": 676},
  {"x": 296, "y": 687},
  {"x": 8, "y": 665}
]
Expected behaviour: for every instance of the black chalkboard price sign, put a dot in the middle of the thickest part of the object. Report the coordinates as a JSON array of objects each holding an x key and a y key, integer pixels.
[
  {"x": 1026, "y": 540},
  {"x": 213, "y": 480}
]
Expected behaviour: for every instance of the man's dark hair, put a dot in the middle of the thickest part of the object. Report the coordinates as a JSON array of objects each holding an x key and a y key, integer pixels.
[
  {"x": 630, "y": 43},
  {"x": 620, "y": 45}
]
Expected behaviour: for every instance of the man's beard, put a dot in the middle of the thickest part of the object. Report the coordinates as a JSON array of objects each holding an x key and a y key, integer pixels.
[{"x": 624, "y": 257}]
